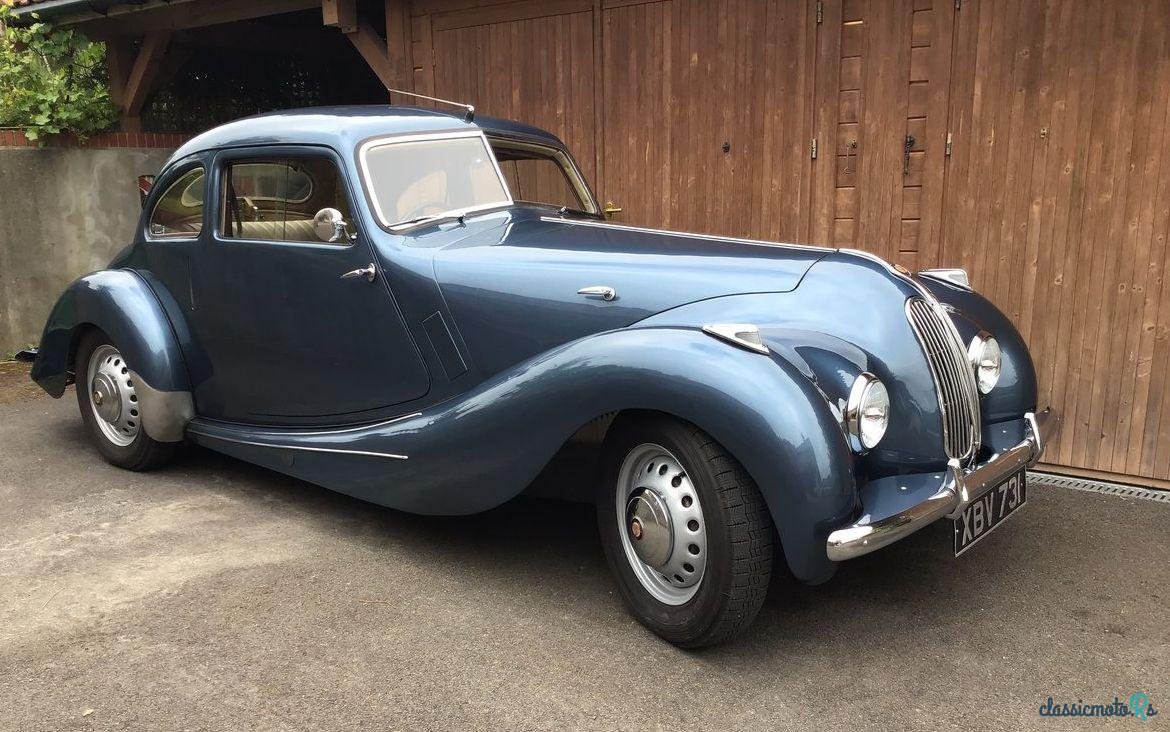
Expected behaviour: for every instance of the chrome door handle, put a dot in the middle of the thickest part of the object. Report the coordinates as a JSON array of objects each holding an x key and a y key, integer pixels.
[
  {"x": 368, "y": 272},
  {"x": 604, "y": 292}
]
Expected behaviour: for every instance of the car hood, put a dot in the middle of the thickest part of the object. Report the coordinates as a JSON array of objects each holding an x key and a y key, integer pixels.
[{"x": 513, "y": 292}]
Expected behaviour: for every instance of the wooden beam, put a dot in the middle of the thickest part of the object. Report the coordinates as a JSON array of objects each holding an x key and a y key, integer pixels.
[
  {"x": 341, "y": 14},
  {"x": 373, "y": 49},
  {"x": 119, "y": 59},
  {"x": 147, "y": 66},
  {"x": 398, "y": 42},
  {"x": 190, "y": 15}
]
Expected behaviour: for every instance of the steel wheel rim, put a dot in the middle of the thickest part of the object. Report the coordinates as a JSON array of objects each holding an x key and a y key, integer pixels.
[
  {"x": 661, "y": 524},
  {"x": 112, "y": 398}
]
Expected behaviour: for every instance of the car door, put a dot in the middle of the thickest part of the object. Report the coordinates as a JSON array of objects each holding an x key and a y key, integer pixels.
[{"x": 285, "y": 336}]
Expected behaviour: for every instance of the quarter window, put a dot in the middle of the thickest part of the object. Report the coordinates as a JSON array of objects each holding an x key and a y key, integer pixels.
[
  {"x": 276, "y": 199},
  {"x": 179, "y": 211}
]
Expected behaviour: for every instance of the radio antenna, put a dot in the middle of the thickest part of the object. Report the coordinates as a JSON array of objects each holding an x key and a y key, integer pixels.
[{"x": 470, "y": 109}]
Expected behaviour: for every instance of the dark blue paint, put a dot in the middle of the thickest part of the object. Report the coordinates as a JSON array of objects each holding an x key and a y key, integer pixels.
[
  {"x": 121, "y": 304},
  {"x": 476, "y": 326}
]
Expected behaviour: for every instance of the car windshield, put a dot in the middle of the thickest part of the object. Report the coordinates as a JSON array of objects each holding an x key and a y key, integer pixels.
[
  {"x": 542, "y": 175},
  {"x": 412, "y": 180}
]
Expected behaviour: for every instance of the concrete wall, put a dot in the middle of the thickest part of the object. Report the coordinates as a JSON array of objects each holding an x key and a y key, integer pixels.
[{"x": 63, "y": 212}]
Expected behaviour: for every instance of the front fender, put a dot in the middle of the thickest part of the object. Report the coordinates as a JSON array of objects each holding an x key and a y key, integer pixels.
[
  {"x": 483, "y": 448},
  {"x": 122, "y": 305},
  {"x": 1016, "y": 391}
]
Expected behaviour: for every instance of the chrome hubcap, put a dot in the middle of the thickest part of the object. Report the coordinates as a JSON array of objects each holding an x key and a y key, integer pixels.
[
  {"x": 112, "y": 397},
  {"x": 649, "y": 523},
  {"x": 662, "y": 526}
]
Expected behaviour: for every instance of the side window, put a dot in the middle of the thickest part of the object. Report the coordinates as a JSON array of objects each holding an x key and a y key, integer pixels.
[
  {"x": 536, "y": 174},
  {"x": 276, "y": 199},
  {"x": 179, "y": 211}
]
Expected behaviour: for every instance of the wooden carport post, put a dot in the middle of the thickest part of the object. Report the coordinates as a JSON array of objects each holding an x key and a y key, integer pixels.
[
  {"x": 132, "y": 81},
  {"x": 387, "y": 58}
]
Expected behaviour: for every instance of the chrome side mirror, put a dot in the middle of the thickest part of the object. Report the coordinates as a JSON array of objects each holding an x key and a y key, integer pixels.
[{"x": 329, "y": 226}]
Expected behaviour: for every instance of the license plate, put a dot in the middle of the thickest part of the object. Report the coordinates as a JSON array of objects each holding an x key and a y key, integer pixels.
[{"x": 989, "y": 510}]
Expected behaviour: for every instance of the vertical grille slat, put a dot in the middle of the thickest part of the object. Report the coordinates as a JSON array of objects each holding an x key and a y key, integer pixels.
[{"x": 954, "y": 379}]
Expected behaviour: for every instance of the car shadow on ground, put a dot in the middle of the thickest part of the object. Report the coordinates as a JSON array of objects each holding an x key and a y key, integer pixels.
[
  {"x": 530, "y": 542},
  {"x": 542, "y": 550}
]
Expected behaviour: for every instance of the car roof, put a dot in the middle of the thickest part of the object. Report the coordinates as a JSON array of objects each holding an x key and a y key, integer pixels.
[{"x": 344, "y": 127}]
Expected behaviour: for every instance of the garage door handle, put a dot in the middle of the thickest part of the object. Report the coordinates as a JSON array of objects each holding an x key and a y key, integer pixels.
[{"x": 369, "y": 273}]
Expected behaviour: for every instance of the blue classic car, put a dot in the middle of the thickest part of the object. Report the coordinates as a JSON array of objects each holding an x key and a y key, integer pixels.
[{"x": 421, "y": 309}]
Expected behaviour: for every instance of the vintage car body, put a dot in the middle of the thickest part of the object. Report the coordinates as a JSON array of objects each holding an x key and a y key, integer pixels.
[{"x": 446, "y": 384}]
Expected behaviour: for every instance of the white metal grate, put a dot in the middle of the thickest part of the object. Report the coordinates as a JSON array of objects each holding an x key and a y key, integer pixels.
[{"x": 1099, "y": 486}]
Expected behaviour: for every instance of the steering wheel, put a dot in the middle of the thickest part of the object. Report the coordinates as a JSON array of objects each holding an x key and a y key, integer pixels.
[{"x": 429, "y": 208}]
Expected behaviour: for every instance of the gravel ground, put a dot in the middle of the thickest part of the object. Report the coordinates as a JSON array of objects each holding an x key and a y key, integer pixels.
[{"x": 216, "y": 595}]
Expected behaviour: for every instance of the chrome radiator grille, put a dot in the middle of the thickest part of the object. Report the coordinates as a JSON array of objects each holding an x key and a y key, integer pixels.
[{"x": 954, "y": 380}]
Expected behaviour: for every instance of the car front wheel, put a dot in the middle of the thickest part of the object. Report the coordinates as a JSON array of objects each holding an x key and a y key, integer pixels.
[
  {"x": 685, "y": 530},
  {"x": 108, "y": 399}
]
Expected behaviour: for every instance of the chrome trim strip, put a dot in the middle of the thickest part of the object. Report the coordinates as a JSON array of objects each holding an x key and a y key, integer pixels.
[
  {"x": 959, "y": 488},
  {"x": 953, "y": 276},
  {"x": 667, "y": 232},
  {"x": 341, "y": 430},
  {"x": 304, "y": 448},
  {"x": 368, "y": 182},
  {"x": 729, "y": 333}
]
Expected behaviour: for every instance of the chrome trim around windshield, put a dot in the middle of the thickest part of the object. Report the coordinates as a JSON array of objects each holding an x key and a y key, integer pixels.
[
  {"x": 368, "y": 182},
  {"x": 689, "y": 235}
]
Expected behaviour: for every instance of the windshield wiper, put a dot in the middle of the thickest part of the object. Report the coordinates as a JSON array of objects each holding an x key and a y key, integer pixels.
[{"x": 434, "y": 218}]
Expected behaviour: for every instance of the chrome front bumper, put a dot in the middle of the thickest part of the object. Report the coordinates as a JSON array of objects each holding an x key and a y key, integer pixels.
[{"x": 959, "y": 488}]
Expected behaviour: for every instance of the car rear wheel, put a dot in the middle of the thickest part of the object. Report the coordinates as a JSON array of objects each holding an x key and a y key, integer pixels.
[
  {"x": 685, "y": 530},
  {"x": 108, "y": 399}
]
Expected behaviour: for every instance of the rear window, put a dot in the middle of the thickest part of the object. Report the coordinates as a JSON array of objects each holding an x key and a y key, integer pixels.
[{"x": 179, "y": 211}]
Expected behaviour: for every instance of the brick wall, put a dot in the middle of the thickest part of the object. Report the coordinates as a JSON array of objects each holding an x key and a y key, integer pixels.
[{"x": 169, "y": 140}]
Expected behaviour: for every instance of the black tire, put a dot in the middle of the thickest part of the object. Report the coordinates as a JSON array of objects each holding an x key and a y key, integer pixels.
[
  {"x": 739, "y": 535},
  {"x": 143, "y": 453}
]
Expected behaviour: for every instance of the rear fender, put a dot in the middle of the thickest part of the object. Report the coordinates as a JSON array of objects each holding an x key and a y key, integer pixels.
[{"x": 122, "y": 305}]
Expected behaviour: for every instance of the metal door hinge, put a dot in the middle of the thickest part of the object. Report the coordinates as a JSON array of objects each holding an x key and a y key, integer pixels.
[
  {"x": 821, "y": 11},
  {"x": 958, "y": 4},
  {"x": 947, "y": 149},
  {"x": 812, "y": 148}
]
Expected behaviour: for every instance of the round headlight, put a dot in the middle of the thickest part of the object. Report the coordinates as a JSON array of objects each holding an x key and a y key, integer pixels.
[
  {"x": 867, "y": 414},
  {"x": 987, "y": 361}
]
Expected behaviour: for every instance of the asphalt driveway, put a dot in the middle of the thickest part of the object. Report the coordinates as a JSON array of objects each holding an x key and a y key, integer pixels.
[{"x": 215, "y": 595}]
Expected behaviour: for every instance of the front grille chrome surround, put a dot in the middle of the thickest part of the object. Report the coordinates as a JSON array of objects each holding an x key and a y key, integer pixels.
[{"x": 954, "y": 379}]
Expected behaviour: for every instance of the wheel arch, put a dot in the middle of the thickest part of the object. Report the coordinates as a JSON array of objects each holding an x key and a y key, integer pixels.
[
  {"x": 764, "y": 410},
  {"x": 122, "y": 306}
]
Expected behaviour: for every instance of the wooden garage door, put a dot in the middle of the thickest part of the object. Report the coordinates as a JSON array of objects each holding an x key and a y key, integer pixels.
[
  {"x": 706, "y": 115},
  {"x": 527, "y": 61},
  {"x": 883, "y": 69},
  {"x": 1058, "y": 202},
  {"x": 1036, "y": 159}
]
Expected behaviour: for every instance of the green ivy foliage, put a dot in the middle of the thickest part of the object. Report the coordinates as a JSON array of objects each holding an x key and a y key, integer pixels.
[{"x": 52, "y": 80}]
